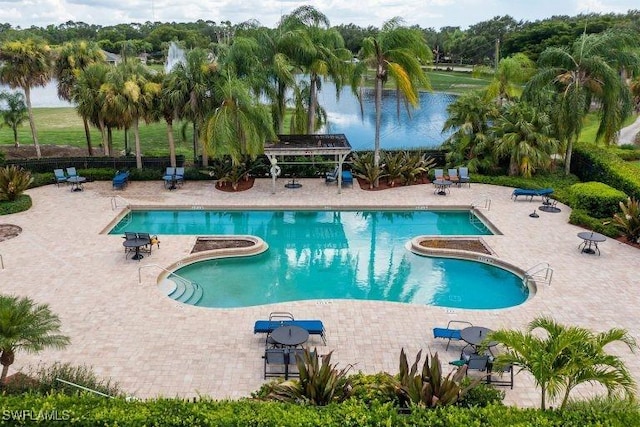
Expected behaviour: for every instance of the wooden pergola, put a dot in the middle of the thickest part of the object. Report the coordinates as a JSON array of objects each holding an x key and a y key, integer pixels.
[{"x": 335, "y": 145}]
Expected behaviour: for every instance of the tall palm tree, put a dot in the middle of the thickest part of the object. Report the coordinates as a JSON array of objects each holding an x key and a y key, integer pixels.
[
  {"x": 318, "y": 49},
  {"x": 587, "y": 74},
  {"x": 27, "y": 326},
  {"x": 72, "y": 58},
  {"x": 509, "y": 78},
  {"x": 90, "y": 100},
  {"x": 396, "y": 53},
  {"x": 563, "y": 357},
  {"x": 15, "y": 114},
  {"x": 26, "y": 64},
  {"x": 191, "y": 84},
  {"x": 471, "y": 115},
  {"x": 523, "y": 134},
  {"x": 239, "y": 125}
]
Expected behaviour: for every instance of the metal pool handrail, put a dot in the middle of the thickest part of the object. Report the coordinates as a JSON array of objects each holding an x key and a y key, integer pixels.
[
  {"x": 114, "y": 202},
  {"x": 535, "y": 273}
]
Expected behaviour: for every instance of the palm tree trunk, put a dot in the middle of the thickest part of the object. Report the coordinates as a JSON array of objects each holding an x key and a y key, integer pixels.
[
  {"x": 281, "y": 106},
  {"x": 87, "y": 133},
  {"x": 172, "y": 144},
  {"x": 313, "y": 99},
  {"x": 136, "y": 134},
  {"x": 567, "y": 157},
  {"x": 110, "y": 139},
  {"x": 15, "y": 136},
  {"x": 32, "y": 123},
  {"x": 105, "y": 140},
  {"x": 3, "y": 376},
  {"x": 376, "y": 145},
  {"x": 543, "y": 402}
]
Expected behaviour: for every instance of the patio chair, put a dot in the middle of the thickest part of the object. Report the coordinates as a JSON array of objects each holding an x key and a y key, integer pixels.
[
  {"x": 179, "y": 176},
  {"x": 331, "y": 177},
  {"x": 478, "y": 362},
  {"x": 152, "y": 240},
  {"x": 120, "y": 180},
  {"x": 71, "y": 172},
  {"x": 453, "y": 176},
  {"x": 450, "y": 333},
  {"x": 347, "y": 178},
  {"x": 129, "y": 236},
  {"x": 464, "y": 176},
  {"x": 280, "y": 362},
  {"x": 506, "y": 370},
  {"x": 59, "y": 176},
  {"x": 438, "y": 174},
  {"x": 169, "y": 177}
]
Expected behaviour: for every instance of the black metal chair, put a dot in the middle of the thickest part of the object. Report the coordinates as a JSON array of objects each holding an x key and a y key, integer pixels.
[{"x": 506, "y": 370}]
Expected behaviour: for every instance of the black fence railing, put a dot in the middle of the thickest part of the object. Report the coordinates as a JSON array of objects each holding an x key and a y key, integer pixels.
[{"x": 50, "y": 163}]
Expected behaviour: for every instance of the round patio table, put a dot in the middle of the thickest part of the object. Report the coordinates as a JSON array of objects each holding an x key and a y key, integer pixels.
[
  {"x": 442, "y": 186},
  {"x": 290, "y": 336},
  {"x": 590, "y": 242},
  {"x": 475, "y": 335}
]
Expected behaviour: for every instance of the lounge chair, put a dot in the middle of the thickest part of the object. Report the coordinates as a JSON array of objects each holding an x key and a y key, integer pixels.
[
  {"x": 450, "y": 333},
  {"x": 59, "y": 176},
  {"x": 544, "y": 192},
  {"x": 464, "y": 176},
  {"x": 120, "y": 180},
  {"x": 314, "y": 327}
]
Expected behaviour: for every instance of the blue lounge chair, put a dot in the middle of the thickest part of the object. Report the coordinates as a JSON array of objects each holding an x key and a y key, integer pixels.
[
  {"x": 450, "y": 333},
  {"x": 276, "y": 320},
  {"x": 120, "y": 180},
  {"x": 59, "y": 176},
  {"x": 544, "y": 192}
]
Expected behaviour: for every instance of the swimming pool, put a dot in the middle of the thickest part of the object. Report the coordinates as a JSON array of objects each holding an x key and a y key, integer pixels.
[{"x": 336, "y": 255}]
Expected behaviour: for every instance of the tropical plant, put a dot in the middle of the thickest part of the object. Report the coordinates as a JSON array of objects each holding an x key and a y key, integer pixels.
[
  {"x": 523, "y": 134},
  {"x": 588, "y": 73},
  {"x": 26, "y": 64},
  {"x": 508, "y": 79},
  {"x": 418, "y": 165},
  {"x": 395, "y": 165},
  {"x": 629, "y": 220},
  {"x": 564, "y": 357},
  {"x": 319, "y": 383},
  {"x": 71, "y": 59},
  {"x": 15, "y": 113},
  {"x": 309, "y": 41},
  {"x": 239, "y": 126},
  {"x": 428, "y": 388},
  {"x": 13, "y": 182},
  {"x": 90, "y": 101},
  {"x": 471, "y": 144},
  {"x": 26, "y": 326},
  {"x": 396, "y": 53},
  {"x": 365, "y": 168}
]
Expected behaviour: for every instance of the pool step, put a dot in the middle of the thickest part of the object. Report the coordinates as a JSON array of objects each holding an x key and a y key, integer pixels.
[{"x": 181, "y": 290}]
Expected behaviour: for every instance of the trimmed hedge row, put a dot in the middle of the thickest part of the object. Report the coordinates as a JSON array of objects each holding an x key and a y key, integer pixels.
[
  {"x": 90, "y": 410},
  {"x": 600, "y": 200},
  {"x": 592, "y": 163}
]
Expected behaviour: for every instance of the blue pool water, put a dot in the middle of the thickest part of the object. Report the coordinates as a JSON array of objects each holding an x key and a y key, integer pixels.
[
  {"x": 335, "y": 255},
  {"x": 417, "y": 128}
]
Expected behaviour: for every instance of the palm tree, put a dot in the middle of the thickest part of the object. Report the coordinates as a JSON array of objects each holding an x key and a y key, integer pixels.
[
  {"x": 26, "y": 326},
  {"x": 15, "y": 114},
  {"x": 239, "y": 125},
  {"x": 90, "y": 100},
  {"x": 396, "y": 53},
  {"x": 471, "y": 115},
  {"x": 318, "y": 49},
  {"x": 510, "y": 76},
  {"x": 523, "y": 134},
  {"x": 588, "y": 73},
  {"x": 564, "y": 357},
  {"x": 26, "y": 64},
  {"x": 72, "y": 59}
]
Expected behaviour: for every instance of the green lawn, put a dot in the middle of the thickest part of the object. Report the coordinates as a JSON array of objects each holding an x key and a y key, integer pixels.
[{"x": 456, "y": 82}]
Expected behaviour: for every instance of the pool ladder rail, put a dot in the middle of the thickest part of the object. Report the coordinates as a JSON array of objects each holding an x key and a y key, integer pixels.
[
  {"x": 176, "y": 287},
  {"x": 541, "y": 272}
]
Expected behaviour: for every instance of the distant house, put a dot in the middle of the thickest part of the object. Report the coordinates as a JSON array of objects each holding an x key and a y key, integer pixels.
[{"x": 112, "y": 58}]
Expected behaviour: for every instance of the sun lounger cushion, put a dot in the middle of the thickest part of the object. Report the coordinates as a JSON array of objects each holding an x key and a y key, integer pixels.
[
  {"x": 121, "y": 179},
  {"x": 453, "y": 334},
  {"x": 530, "y": 193},
  {"x": 314, "y": 327}
]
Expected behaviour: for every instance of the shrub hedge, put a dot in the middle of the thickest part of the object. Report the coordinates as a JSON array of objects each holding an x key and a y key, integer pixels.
[
  {"x": 20, "y": 204},
  {"x": 598, "y": 199},
  {"x": 91, "y": 410}
]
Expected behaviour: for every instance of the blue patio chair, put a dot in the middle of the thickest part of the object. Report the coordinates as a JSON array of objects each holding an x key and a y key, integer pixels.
[
  {"x": 331, "y": 177},
  {"x": 180, "y": 176},
  {"x": 169, "y": 177},
  {"x": 450, "y": 332},
  {"x": 59, "y": 176},
  {"x": 71, "y": 172},
  {"x": 438, "y": 174},
  {"x": 464, "y": 176}
]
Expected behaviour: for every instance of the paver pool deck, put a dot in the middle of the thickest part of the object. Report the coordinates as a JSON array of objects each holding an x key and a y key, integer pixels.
[{"x": 153, "y": 346}]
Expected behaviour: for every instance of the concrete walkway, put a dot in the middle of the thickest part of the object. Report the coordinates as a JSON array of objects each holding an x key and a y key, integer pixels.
[
  {"x": 153, "y": 346},
  {"x": 628, "y": 134}
]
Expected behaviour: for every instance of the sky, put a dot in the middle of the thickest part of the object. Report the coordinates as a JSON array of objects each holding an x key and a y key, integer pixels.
[{"x": 425, "y": 13}]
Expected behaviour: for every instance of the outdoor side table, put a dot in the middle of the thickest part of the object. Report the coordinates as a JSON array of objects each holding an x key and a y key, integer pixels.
[{"x": 590, "y": 242}]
